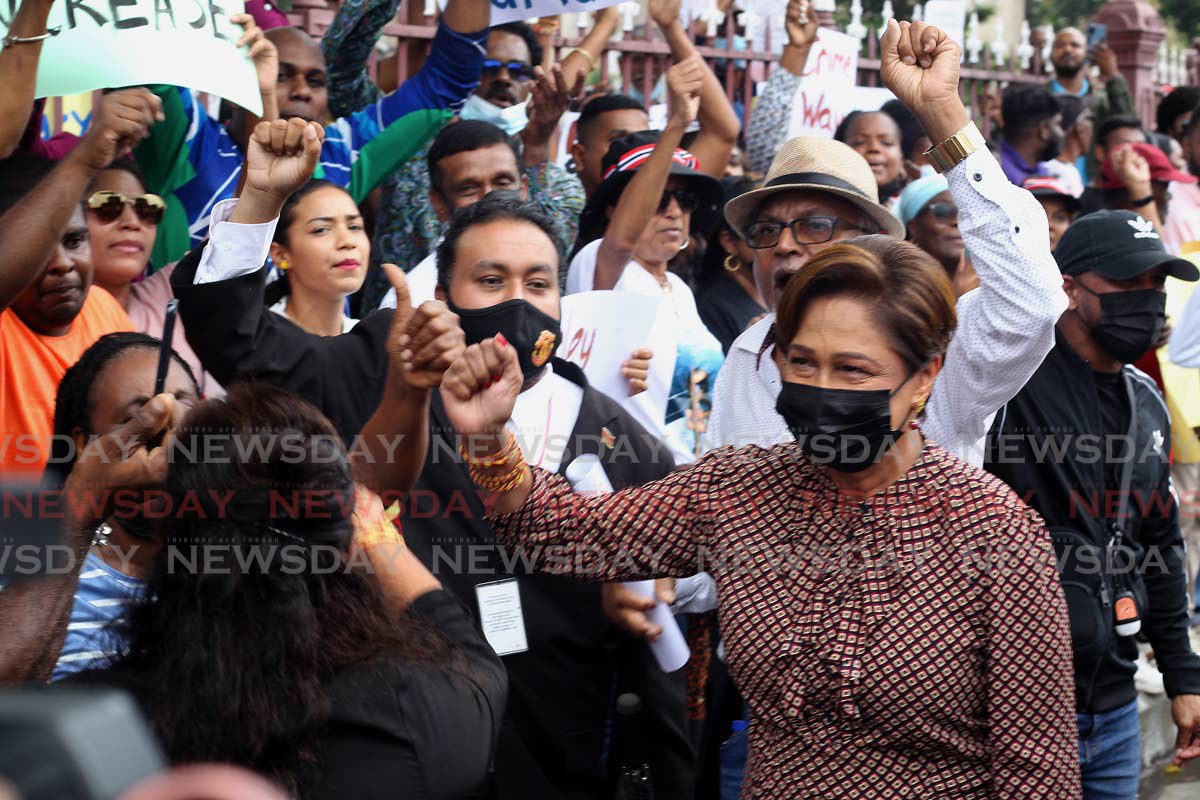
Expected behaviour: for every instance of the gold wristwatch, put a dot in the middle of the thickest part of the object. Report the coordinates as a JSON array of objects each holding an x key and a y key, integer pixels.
[{"x": 945, "y": 155}]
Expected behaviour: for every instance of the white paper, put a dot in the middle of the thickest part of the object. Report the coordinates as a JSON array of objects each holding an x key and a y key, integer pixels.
[
  {"x": 600, "y": 332},
  {"x": 566, "y": 137},
  {"x": 501, "y": 617},
  {"x": 586, "y": 476},
  {"x": 658, "y": 116},
  {"x": 825, "y": 95},
  {"x": 870, "y": 98},
  {"x": 949, "y": 15}
]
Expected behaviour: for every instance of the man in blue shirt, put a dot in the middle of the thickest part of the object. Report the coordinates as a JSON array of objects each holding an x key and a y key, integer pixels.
[{"x": 193, "y": 162}]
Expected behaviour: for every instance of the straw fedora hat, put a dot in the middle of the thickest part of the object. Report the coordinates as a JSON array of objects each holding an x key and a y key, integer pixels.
[{"x": 817, "y": 165}]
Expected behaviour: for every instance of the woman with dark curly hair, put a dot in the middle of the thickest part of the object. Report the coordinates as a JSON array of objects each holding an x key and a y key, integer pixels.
[{"x": 284, "y": 626}]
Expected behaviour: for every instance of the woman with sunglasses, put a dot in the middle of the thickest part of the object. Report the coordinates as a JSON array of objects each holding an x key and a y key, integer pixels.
[
  {"x": 122, "y": 223},
  {"x": 644, "y": 214},
  {"x": 930, "y": 217}
]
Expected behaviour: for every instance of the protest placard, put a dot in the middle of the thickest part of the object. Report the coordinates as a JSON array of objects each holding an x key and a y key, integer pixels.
[
  {"x": 602, "y": 329},
  {"x": 105, "y": 44},
  {"x": 518, "y": 10},
  {"x": 825, "y": 96}
]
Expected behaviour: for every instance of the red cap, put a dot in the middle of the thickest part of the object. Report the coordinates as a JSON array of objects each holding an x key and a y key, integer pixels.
[
  {"x": 1049, "y": 186},
  {"x": 1160, "y": 167}
]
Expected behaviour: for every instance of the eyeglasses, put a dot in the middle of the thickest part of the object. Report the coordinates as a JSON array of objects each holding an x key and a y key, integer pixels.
[
  {"x": 687, "y": 199},
  {"x": 108, "y": 206},
  {"x": 806, "y": 230},
  {"x": 941, "y": 211},
  {"x": 519, "y": 70}
]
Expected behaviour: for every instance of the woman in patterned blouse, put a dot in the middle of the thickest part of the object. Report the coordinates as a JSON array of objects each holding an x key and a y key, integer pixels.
[
  {"x": 891, "y": 614},
  {"x": 894, "y": 622}
]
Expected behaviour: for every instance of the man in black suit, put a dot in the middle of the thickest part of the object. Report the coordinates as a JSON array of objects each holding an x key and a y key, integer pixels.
[{"x": 498, "y": 268}]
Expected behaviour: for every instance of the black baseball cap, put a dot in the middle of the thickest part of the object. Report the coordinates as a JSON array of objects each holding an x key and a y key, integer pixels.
[{"x": 1119, "y": 245}]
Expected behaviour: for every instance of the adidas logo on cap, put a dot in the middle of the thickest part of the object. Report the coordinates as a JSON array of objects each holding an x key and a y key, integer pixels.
[{"x": 1144, "y": 228}]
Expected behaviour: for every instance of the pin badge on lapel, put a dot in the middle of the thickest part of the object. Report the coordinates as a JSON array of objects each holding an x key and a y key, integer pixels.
[
  {"x": 606, "y": 436},
  {"x": 542, "y": 348}
]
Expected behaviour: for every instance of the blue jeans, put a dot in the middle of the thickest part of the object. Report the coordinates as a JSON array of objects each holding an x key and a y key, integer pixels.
[
  {"x": 733, "y": 763},
  {"x": 1110, "y": 753}
]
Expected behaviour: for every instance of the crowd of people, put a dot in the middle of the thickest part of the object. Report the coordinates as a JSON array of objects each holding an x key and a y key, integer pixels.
[{"x": 920, "y": 501}]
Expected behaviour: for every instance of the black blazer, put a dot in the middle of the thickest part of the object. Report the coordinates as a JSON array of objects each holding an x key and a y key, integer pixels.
[
  {"x": 237, "y": 336},
  {"x": 561, "y": 690}
]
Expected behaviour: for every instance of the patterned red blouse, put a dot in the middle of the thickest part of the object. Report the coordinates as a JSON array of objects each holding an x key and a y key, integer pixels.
[{"x": 912, "y": 646}]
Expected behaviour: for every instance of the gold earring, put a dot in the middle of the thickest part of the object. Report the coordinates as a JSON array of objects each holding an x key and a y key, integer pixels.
[
  {"x": 919, "y": 406},
  {"x": 731, "y": 263},
  {"x": 283, "y": 264}
]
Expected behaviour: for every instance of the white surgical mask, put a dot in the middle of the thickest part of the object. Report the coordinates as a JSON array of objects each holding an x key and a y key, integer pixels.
[{"x": 511, "y": 120}]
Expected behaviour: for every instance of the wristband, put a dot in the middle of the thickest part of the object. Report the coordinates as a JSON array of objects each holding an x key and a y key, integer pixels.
[
  {"x": 1145, "y": 201},
  {"x": 10, "y": 40}
]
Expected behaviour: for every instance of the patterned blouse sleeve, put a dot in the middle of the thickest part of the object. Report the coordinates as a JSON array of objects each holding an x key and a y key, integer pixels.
[
  {"x": 560, "y": 195},
  {"x": 771, "y": 118},
  {"x": 661, "y": 529},
  {"x": 347, "y": 47},
  {"x": 1030, "y": 681}
]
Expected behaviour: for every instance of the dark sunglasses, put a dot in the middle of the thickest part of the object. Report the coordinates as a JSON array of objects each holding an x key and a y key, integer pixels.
[
  {"x": 806, "y": 230},
  {"x": 108, "y": 206},
  {"x": 941, "y": 211},
  {"x": 687, "y": 199},
  {"x": 519, "y": 70}
]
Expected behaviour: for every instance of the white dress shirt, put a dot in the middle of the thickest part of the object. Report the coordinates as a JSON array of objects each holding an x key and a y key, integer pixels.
[
  {"x": 1005, "y": 326},
  {"x": 280, "y": 308},
  {"x": 543, "y": 418},
  {"x": 233, "y": 249}
]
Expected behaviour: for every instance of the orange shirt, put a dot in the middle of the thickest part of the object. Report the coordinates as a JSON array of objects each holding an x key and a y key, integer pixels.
[{"x": 31, "y": 366}]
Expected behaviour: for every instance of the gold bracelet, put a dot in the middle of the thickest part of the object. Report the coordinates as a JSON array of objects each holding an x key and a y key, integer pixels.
[
  {"x": 591, "y": 59},
  {"x": 963, "y": 143},
  {"x": 499, "y": 484},
  {"x": 497, "y": 459}
]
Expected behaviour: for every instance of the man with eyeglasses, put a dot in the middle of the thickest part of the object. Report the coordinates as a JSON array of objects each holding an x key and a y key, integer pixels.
[
  {"x": 820, "y": 191},
  {"x": 410, "y": 223}
]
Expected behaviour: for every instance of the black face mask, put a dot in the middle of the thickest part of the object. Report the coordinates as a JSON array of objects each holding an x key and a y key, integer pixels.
[
  {"x": 846, "y": 429},
  {"x": 534, "y": 335},
  {"x": 1130, "y": 322}
]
